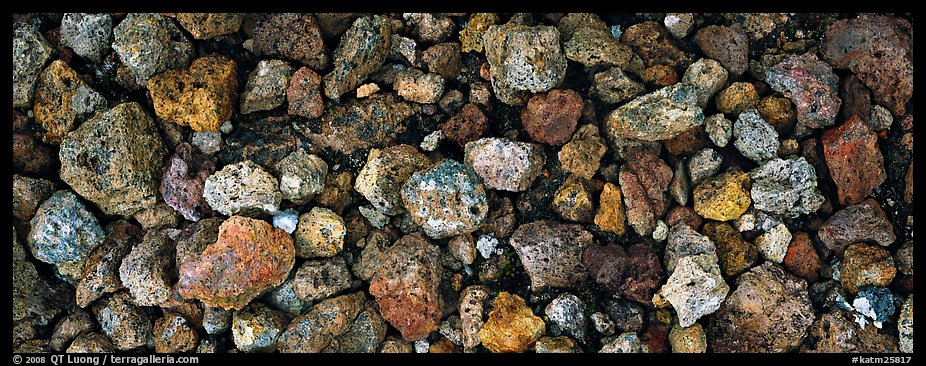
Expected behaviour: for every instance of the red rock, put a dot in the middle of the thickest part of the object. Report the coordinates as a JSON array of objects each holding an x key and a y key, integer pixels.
[
  {"x": 551, "y": 118},
  {"x": 606, "y": 264},
  {"x": 248, "y": 257},
  {"x": 468, "y": 125},
  {"x": 657, "y": 337},
  {"x": 854, "y": 159},
  {"x": 644, "y": 179},
  {"x": 183, "y": 181},
  {"x": 30, "y": 156},
  {"x": 684, "y": 214},
  {"x": 879, "y": 51},
  {"x": 802, "y": 259},
  {"x": 728, "y": 45},
  {"x": 406, "y": 286},
  {"x": 303, "y": 94},
  {"x": 811, "y": 85},
  {"x": 660, "y": 76},
  {"x": 644, "y": 274}
]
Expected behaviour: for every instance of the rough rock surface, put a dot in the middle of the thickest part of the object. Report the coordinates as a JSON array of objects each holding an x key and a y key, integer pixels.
[
  {"x": 63, "y": 230},
  {"x": 89, "y": 35},
  {"x": 610, "y": 216},
  {"x": 755, "y": 138},
  {"x": 256, "y": 328},
  {"x": 551, "y": 118},
  {"x": 523, "y": 59},
  {"x": 864, "y": 222},
  {"x": 811, "y": 85},
  {"x": 854, "y": 160},
  {"x": 836, "y": 332},
  {"x": 266, "y": 86},
  {"x": 644, "y": 180},
  {"x": 591, "y": 46},
  {"x": 303, "y": 95},
  {"x": 729, "y": 45},
  {"x": 504, "y": 164},
  {"x": 552, "y": 253},
  {"x": 318, "y": 279},
  {"x": 183, "y": 182},
  {"x": 446, "y": 199},
  {"x": 723, "y": 197},
  {"x": 30, "y": 52},
  {"x": 695, "y": 288},
  {"x": 786, "y": 187},
  {"x": 101, "y": 271},
  {"x": 384, "y": 173},
  {"x": 242, "y": 189},
  {"x": 122, "y": 321},
  {"x": 145, "y": 270},
  {"x": 316, "y": 329},
  {"x": 319, "y": 233},
  {"x": 292, "y": 36},
  {"x": 302, "y": 176},
  {"x": 201, "y": 97},
  {"x": 512, "y": 326},
  {"x": 567, "y": 316},
  {"x": 582, "y": 155},
  {"x": 210, "y": 25},
  {"x": 362, "y": 50},
  {"x": 659, "y": 115},
  {"x": 62, "y": 100},
  {"x": 150, "y": 43},
  {"x": 866, "y": 265},
  {"x": 174, "y": 334}
]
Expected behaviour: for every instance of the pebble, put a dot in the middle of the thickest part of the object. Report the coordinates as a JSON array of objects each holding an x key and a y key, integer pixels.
[
  {"x": 362, "y": 51},
  {"x": 695, "y": 288},
  {"x": 769, "y": 311},
  {"x": 635, "y": 275},
  {"x": 394, "y": 344},
  {"x": 737, "y": 98},
  {"x": 683, "y": 214},
  {"x": 719, "y": 129},
  {"x": 735, "y": 254},
  {"x": 614, "y": 86},
  {"x": 602, "y": 323},
  {"x": 210, "y": 25},
  {"x": 63, "y": 230},
  {"x": 703, "y": 164},
  {"x": 561, "y": 344},
  {"x": 432, "y": 140},
  {"x": 321, "y": 278},
  {"x": 315, "y": 330},
  {"x": 511, "y": 326},
  {"x": 184, "y": 180},
  {"x": 302, "y": 176},
  {"x": 406, "y": 286},
  {"x": 661, "y": 232},
  {"x": 854, "y": 160},
  {"x": 472, "y": 311},
  {"x": 572, "y": 22},
  {"x": 643, "y": 182},
  {"x": 216, "y": 320},
  {"x": 286, "y": 220},
  {"x": 678, "y": 24},
  {"x": 659, "y": 76},
  {"x": 101, "y": 270},
  {"x": 443, "y": 59},
  {"x": 474, "y": 29},
  {"x": 551, "y": 118},
  {"x": 145, "y": 270},
  {"x": 422, "y": 346},
  {"x": 802, "y": 259},
  {"x": 303, "y": 95},
  {"x": 208, "y": 142},
  {"x": 778, "y": 112},
  {"x": 786, "y": 187},
  {"x": 416, "y": 86},
  {"x": 91, "y": 343},
  {"x": 243, "y": 188},
  {"x": 683, "y": 242},
  {"x": 30, "y": 156},
  {"x": 773, "y": 245},
  {"x": 283, "y": 298},
  {"x": 256, "y": 328},
  {"x": 723, "y": 197},
  {"x": 113, "y": 160},
  {"x": 606, "y": 265},
  {"x": 173, "y": 334},
  {"x": 201, "y": 97},
  {"x": 319, "y": 233},
  {"x": 755, "y": 138},
  {"x": 448, "y": 199},
  {"x": 659, "y": 115},
  {"x": 582, "y": 155},
  {"x": 266, "y": 87},
  {"x": 811, "y": 86},
  {"x": 905, "y": 325},
  {"x": 504, "y": 164},
  {"x": 364, "y": 335},
  {"x": 515, "y": 71},
  {"x": 551, "y": 253},
  {"x": 880, "y": 118},
  {"x": 610, "y": 216},
  {"x": 383, "y": 174},
  {"x": 627, "y": 342},
  {"x": 30, "y": 51},
  {"x": 691, "y": 339},
  {"x": 729, "y": 45},
  {"x": 486, "y": 246},
  {"x": 593, "y": 46},
  {"x": 903, "y": 257},
  {"x": 468, "y": 125},
  {"x": 210, "y": 276},
  {"x": 430, "y": 28},
  {"x": 573, "y": 200},
  {"x": 567, "y": 316},
  {"x": 836, "y": 331},
  {"x": 654, "y": 44},
  {"x": 866, "y": 265},
  {"x": 88, "y": 35},
  {"x": 124, "y": 323},
  {"x": 62, "y": 99},
  {"x": 150, "y": 43},
  {"x": 864, "y": 222},
  {"x": 708, "y": 77},
  {"x": 69, "y": 328}
]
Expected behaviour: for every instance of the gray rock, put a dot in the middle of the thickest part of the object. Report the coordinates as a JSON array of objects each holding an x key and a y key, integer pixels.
[
  {"x": 216, "y": 320},
  {"x": 685, "y": 242},
  {"x": 755, "y": 138},
  {"x": 283, "y": 298},
  {"x": 89, "y": 35},
  {"x": 864, "y": 222},
  {"x": 625, "y": 343},
  {"x": 386, "y": 170},
  {"x": 364, "y": 335},
  {"x": 614, "y": 86},
  {"x": 514, "y": 52},
  {"x": 551, "y": 253},
  {"x": 659, "y": 115},
  {"x": 266, "y": 87},
  {"x": 432, "y": 140},
  {"x": 69, "y": 328},
  {"x": 719, "y": 129},
  {"x": 786, "y": 187},
  {"x": 708, "y": 76},
  {"x": 603, "y": 323},
  {"x": 149, "y": 43},
  {"x": 695, "y": 288},
  {"x": 208, "y": 142},
  {"x": 903, "y": 258},
  {"x": 880, "y": 118},
  {"x": 315, "y": 330},
  {"x": 905, "y": 325},
  {"x": 703, "y": 164},
  {"x": 504, "y": 164},
  {"x": 63, "y": 230},
  {"x": 450, "y": 329},
  {"x": 403, "y": 50},
  {"x": 419, "y": 87},
  {"x": 678, "y": 24},
  {"x": 30, "y": 52},
  {"x": 375, "y": 217},
  {"x": 145, "y": 270},
  {"x": 362, "y": 51},
  {"x": 302, "y": 176},
  {"x": 242, "y": 188},
  {"x": 447, "y": 199},
  {"x": 318, "y": 279},
  {"x": 567, "y": 316},
  {"x": 773, "y": 245},
  {"x": 122, "y": 321},
  {"x": 595, "y": 47},
  {"x": 811, "y": 84},
  {"x": 256, "y": 328}
]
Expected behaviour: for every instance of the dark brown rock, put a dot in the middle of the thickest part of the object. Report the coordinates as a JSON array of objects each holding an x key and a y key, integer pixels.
[
  {"x": 552, "y": 253},
  {"x": 644, "y": 274},
  {"x": 443, "y": 59},
  {"x": 28, "y": 194},
  {"x": 729, "y": 45},
  {"x": 654, "y": 44},
  {"x": 468, "y": 125},
  {"x": 644, "y": 180},
  {"x": 552, "y": 118},
  {"x": 101, "y": 271},
  {"x": 292, "y": 36},
  {"x": 864, "y": 222},
  {"x": 606, "y": 265},
  {"x": 375, "y": 121},
  {"x": 856, "y": 98},
  {"x": 837, "y": 332},
  {"x": 29, "y": 155}
]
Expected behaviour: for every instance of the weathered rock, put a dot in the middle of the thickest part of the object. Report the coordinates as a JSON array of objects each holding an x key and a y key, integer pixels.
[
  {"x": 302, "y": 176},
  {"x": 266, "y": 87},
  {"x": 866, "y": 265},
  {"x": 723, "y": 197},
  {"x": 318, "y": 279},
  {"x": 183, "y": 182},
  {"x": 603, "y": 323},
  {"x": 292, "y": 36},
  {"x": 443, "y": 59},
  {"x": 406, "y": 286},
  {"x": 216, "y": 320},
  {"x": 778, "y": 112},
  {"x": 30, "y": 52},
  {"x": 582, "y": 155},
  {"x": 719, "y": 129},
  {"x": 201, "y": 97},
  {"x": 596, "y": 47},
  {"x": 644, "y": 274},
  {"x": 610, "y": 216},
  {"x": 879, "y": 50},
  {"x": 685, "y": 242},
  {"x": 552, "y": 253},
  {"x": 703, "y": 164},
  {"x": 304, "y": 94},
  {"x": 372, "y": 122},
  {"x": 854, "y": 159},
  {"x": 123, "y": 322},
  {"x": 447, "y": 199},
  {"x": 474, "y": 29},
  {"x": 836, "y": 331},
  {"x": 659, "y": 115},
  {"x": 786, "y": 187},
  {"x": 504, "y": 164},
  {"x": 864, "y": 222},
  {"x": 755, "y": 138},
  {"x": 644, "y": 180},
  {"x": 69, "y": 328},
  {"x": 158, "y": 217},
  {"x": 91, "y": 343},
  {"x": 708, "y": 77},
  {"x": 315, "y": 330},
  {"x": 468, "y": 125},
  {"x": 773, "y": 245},
  {"x": 606, "y": 265},
  {"x": 688, "y": 340},
  {"x": 769, "y": 311},
  {"x": 567, "y": 316},
  {"x": 416, "y": 86},
  {"x": 811, "y": 85},
  {"x": 361, "y": 51},
  {"x": 551, "y": 118},
  {"x": 572, "y": 22},
  {"x": 248, "y": 257},
  {"x": 284, "y": 298},
  {"x": 875, "y": 303},
  {"x": 62, "y": 100},
  {"x": 30, "y": 156},
  {"x": 523, "y": 59},
  {"x": 614, "y": 86},
  {"x": 150, "y": 43},
  {"x": 173, "y": 334},
  {"x": 729, "y": 45},
  {"x": 512, "y": 326},
  {"x": 320, "y": 233},
  {"x": 145, "y": 270},
  {"x": 28, "y": 195},
  {"x": 101, "y": 271},
  {"x": 242, "y": 189},
  {"x": 256, "y": 328},
  {"x": 802, "y": 259},
  {"x": 659, "y": 76},
  {"x": 880, "y": 118},
  {"x": 653, "y": 43},
  {"x": 695, "y": 288},
  {"x": 114, "y": 159},
  {"x": 737, "y": 98},
  {"x": 385, "y": 171},
  {"x": 678, "y": 24},
  {"x": 210, "y": 25},
  {"x": 905, "y": 325},
  {"x": 573, "y": 200},
  {"x": 88, "y": 35},
  {"x": 561, "y": 344},
  {"x": 35, "y": 303},
  {"x": 472, "y": 312},
  {"x": 364, "y": 335},
  {"x": 63, "y": 230},
  {"x": 903, "y": 257},
  {"x": 627, "y": 342},
  {"x": 394, "y": 344}
]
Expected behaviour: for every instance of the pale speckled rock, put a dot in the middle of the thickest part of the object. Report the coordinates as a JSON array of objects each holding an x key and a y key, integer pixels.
[
  {"x": 286, "y": 220},
  {"x": 89, "y": 35},
  {"x": 243, "y": 188},
  {"x": 811, "y": 84},
  {"x": 659, "y": 115},
  {"x": 685, "y": 242},
  {"x": 63, "y": 230},
  {"x": 786, "y": 187},
  {"x": 101, "y": 271},
  {"x": 504, "y": 164},
  {"x": 755, "y": 138},
  {"x": 362, "y": 50},
  {"x": 149, "y": 43},
  {"x": 703, "y": 164},
  {"x": 446, "y": 199},
  {"x": 678, "y": 24},
  {"x": 695, "y": 288},
  {"x": 30, "y": 52},
  {"x": 627, "y": 342},
  {"x": 680, "y": 185},
  {"x": 416, "y": 86},
  {"x": 126, "y": 324},
  {"x": 210, "y": 25},
  {"x": 283, "y": 298},
  {"x": 320, "y": 233},
  {"x": 567, "y": 316},
  {"x": 719, "y": 129},
  {"x": 302, "y": 176},
  {"x": 905, "y": 325},
  {"x": 256, "y": 328},
  {"x": 91, "y": 343},
  {"x": 708, "y": 77},
  {"x": 596, "y": 47},
  {"x": 315, "y": 330},
  {"x": 145, "y": 270},
  {"x": 216, "y": 320},
  {"x": 472, "y": 312},
  {"x": 386, "y": 170},
  {"x": 614, "y": 86},
  {"x": 773, "y": 245},
  {"x": 174, "y": 334},
  {"x": 318, "y": 279},
  {"x": 266, "y": 87},
  {"x": 523, "y": 59}
]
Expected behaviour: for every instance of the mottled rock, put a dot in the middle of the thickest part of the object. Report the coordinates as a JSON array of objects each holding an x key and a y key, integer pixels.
[
  {"x": 552, "y": 253},
  {"x": 614, "y": 86},
  {"x": 836, "y": 332},
  {"x": 320, "y": 233},
  {"x": 256, "y": 328},
  {"x": 903, "y": 257},
  {"x": 243, "y": 188},
  {"x": 266, "y": 86},
  {"x": 582, "y": 155},
  {"x": 659, "y": 115},
  {"x": 729, "y": 45},
  {"x": 394, "y": 344},
  {"x": 678, "y": 24},
  {"x": 802, "y": 259},
  {"x": 302, "y": 176},
  {"x": 561, "y": 344},
  {"x": 854, "y": 159},
  {"x": 755, "y": 138},
  {"x": 551, "y": 118},
  {"x": 384, "y": 173},
  {"x": 364, "y": 335},
  {"x": 905, "y": 325},
  {"x": 567, "y": 316},
  {"x": 372, "y": 122},
  {"x": 145, "y": 270},
  {"x": 91, "y": 343},
  {"x": 201, "y": 97},
  {"x": 406, "y": 287},
  {"x": 30, "y": 52},
  {"x": 101, "y": 271},
  {"x": 773, "y": 245},
  {"x": 248, "y": 257},
  {"x": 778, "y": 112},
  {"x": 627, "y": 342},
  {"x": 303, "y": 94},
  {"x": 158, "y": 217},
  {"x": 468, "y": 125},
  {"x": 447, "y": 199},
  {"x": 216, "y": 320},
  {"x": 512, "y": 326},
  {"x": 786, "y": 187},
  {"x": 122, "y": 321},
  {"x": 685, "y": 242},
  {"x": 610, "y": 216},
  {"x": 708, "y": 77},
  {"x": 28, "y": 194},
  {"x": 688, "y": 340},
  {"x": 30, "y": 156},
  {"x": 866, "y": 265},
  {"x": 723, "y": 197},
  {"x": 292, "y": 36},
  {"x": 88, "y": 35},
  {"x": 183, "y": 182},
  {"x": 318, "y": 279},
  {"x": 573, "y": 200},
  {"x": 472, "y": 312},
  {"x": 361, "y": 51},
  {"x": 114, "y": 159},
  {"x": 592, "y": 47},
  {"x": 315, "y": 330},
  {"x": 695, "y": 288},
  {"x": 603, "y": 323},
  {"x": 655, "y": 46},
  {"x": 703, "y": 164},
  {"x": 63, "y": 230},
  {"x": 879, "y": 50},
  {"x": 864, "y": 222},
  {"x": 69, "y": 328},
  {"x": 173, "y": 334},
  {"x": 572, "y": 22},
  {"x": 719, "y": 129},
  {"x": 443, "y": 59},
  {"x": 811, "y": 85},
  {"x": 504, "y": 164},
  {"x": 210, "y": 25},
  {"x": 523, "y": 59},
  {"x": 769, "y": 311},
  {"x": 150, "y": 43},
  {"x": 875, "y": 303},
  {"x": 659, "y": 76},
  {"x": 644, "y": 180},
  {"x": 737, "y": 98},
  {"x": 474, "y": 29},
  {"x": 416, "y": 86},
  {"x": 62, "y": 100}
]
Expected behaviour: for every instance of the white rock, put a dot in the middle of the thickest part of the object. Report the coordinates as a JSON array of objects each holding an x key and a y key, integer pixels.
[
  {"x": 486, "y": 245},
  {"x": 286, "y": 220},
  {"x": 774, "y": 243}
]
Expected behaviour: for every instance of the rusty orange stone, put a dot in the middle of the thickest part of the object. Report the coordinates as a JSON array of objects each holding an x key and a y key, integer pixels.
[
  {"x": 802, "y": 259},
  {"x": 855, "y": 160}
]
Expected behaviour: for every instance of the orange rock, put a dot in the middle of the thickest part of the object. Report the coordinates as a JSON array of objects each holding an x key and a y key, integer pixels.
[
  {"x": 512, "y": 326},
  {"x": 201, "y": 97},
  {"x": 610, "y": 216}
]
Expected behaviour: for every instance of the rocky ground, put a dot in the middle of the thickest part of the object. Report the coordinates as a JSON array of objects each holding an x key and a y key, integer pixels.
[{"x": 462, "y": 182}]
